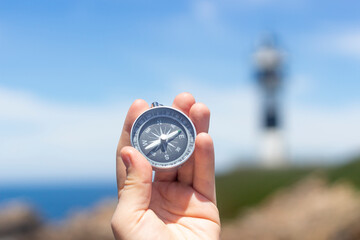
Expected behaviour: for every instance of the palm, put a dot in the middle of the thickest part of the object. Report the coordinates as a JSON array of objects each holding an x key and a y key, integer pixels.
[
  {"x": 185, "y": 213},
  {"x": 177, "y": 205}
]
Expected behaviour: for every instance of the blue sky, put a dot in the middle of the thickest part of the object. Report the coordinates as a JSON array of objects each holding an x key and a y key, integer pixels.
[{"x": 69, "y": 70}]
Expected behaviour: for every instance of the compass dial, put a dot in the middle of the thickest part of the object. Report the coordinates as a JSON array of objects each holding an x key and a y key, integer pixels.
[{"x": 165, "y": 136}]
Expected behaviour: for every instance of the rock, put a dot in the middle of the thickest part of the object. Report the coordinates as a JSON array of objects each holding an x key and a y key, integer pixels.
[
  {"x": 351, "y": 232},
  {"x": 311, "y": 210},
  {"x": 93, "y": 224},
  {"x": 18, "y": 220}
]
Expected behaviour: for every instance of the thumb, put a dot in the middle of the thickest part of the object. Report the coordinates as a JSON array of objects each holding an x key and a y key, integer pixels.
[{"x": 136, "y": 193}]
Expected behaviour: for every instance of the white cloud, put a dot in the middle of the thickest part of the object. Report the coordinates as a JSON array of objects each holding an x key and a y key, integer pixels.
[
  {"x": 313, "y": 133},
  {"x": 326, "y": 133},
  {"x": 339, "y": 40},
  {"x": 233, "y": 125},
  {"x": 319, "y": 132},
  {"x": 41, "y": 140},
  {"x": 205, "y": 10},
  {"x": 279, "y": 4},
  {"x": 45, "y": 141},
  {"x": 348, "y": 42}
]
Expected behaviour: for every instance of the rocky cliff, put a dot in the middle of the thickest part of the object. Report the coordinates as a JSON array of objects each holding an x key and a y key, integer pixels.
[{"x": 310, "y": 210}]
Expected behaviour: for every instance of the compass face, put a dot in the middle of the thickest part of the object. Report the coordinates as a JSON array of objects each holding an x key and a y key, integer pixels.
[{"x": 165, "y": 136}]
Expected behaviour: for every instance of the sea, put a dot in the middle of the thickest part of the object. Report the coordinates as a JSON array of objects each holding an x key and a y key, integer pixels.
[{"x": 56, "y": 202}]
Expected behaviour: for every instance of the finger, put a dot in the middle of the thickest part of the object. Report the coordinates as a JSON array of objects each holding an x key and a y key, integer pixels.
[
  {"x": 200, "y": 116},
  {"x": 204, "y": 167},
  {"x": 136, "y": 193},
  {"x": 182, "y": 102},
  {"x": 135, "y": 110}
]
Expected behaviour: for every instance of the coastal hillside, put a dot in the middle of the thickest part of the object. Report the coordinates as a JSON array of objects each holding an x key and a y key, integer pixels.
[
  {"x": 247, "y": 187},
  {"x": 262, "y": 204}
]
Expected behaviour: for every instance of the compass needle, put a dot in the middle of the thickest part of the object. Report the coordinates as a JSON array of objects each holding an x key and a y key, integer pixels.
[{"x": 153, "y": 144}]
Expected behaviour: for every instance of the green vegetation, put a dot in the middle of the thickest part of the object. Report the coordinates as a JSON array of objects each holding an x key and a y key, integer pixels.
[
  {"x": 247, "y": 187},
  {"x": 349, "y": 172},
  {"x": 244, "y": 188}
]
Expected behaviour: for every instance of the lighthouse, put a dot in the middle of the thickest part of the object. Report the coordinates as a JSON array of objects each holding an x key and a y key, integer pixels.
[{"x": 269, "y": 73}]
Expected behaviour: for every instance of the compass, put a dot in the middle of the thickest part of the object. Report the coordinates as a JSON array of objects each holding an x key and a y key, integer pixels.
[{"x": 164, "y": 135}]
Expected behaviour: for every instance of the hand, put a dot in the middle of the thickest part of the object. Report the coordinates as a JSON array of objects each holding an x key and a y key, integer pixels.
[{"x": 179, "y": 204}]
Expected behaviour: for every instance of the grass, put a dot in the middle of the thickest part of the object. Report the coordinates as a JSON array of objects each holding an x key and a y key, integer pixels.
[
  {"x": 241, "y": 189},
  {"x": 244, "y": 188},
  {"x": 349, "y": 172}
]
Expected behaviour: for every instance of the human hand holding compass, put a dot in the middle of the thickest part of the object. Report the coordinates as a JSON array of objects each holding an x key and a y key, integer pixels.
[{"x": 180, "y": 203}]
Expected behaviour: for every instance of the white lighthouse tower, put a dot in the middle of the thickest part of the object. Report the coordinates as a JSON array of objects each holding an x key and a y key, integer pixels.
[{"x": 269, "y": 69}]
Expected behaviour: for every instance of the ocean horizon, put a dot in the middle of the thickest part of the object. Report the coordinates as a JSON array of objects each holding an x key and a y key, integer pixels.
[{"x": 55, "y": 202}]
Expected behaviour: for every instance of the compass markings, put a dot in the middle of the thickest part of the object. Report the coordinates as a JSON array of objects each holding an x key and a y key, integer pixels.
[{"x": 169, "y": 137}]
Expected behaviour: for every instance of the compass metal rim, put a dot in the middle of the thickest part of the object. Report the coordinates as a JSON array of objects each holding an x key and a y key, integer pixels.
[{"x": 165, "y": 167}]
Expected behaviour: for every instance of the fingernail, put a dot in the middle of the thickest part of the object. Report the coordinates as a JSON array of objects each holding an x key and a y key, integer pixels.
[{"x": 126, "y": 160}]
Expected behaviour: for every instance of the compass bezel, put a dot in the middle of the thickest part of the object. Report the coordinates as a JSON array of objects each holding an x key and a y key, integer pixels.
[{"x": 164, "y": 166}]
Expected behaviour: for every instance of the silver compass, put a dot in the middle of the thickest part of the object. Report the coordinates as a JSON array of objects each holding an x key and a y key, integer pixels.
[{"x": 164, "y": 135}]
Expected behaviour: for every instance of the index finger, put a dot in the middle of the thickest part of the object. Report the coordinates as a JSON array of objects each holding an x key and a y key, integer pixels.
[{"x": 138, "y": 107}]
